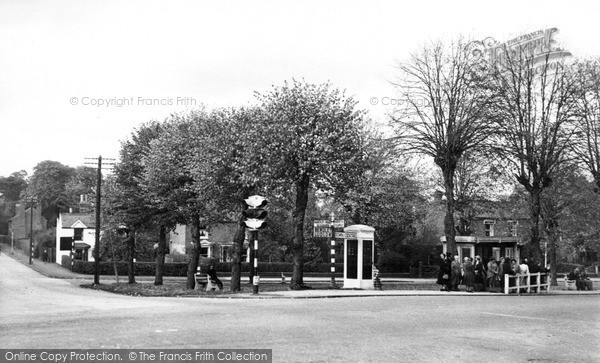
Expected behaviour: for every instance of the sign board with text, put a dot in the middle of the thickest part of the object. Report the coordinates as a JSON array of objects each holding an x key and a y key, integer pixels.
[{"x": 345, "y": 235}]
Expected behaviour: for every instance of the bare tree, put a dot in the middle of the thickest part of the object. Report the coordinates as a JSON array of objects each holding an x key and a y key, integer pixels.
[
  {"x": 586, "y": 145},
  {"x": 444, "y": 114},
  {"x": 534, "y": 117}
]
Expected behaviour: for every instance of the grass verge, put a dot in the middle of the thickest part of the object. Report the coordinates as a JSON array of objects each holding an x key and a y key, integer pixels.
[{"x": 178, "y": 289}]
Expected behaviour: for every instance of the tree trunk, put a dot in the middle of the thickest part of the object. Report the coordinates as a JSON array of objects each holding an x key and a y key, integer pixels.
[
  {"x": 193, "y": 264},
  {"x": 534, "y": 243},
  {"x": 238, "y": 247},
  {"x": 160, "y": 255},
  {"x": 131, "y": 257},
  {"x": 552, "y": 257},
  {"x": 449, "y": 229},
  {"x": 302, "y": 187}
]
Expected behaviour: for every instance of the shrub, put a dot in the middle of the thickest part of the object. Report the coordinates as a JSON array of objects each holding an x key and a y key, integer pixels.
[{"x": 392, "y": 262}]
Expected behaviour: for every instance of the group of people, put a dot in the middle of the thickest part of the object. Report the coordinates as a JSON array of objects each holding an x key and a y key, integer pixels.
[
  {"x": 582, "y": 281},
  {"x": 479, "y": 276}
]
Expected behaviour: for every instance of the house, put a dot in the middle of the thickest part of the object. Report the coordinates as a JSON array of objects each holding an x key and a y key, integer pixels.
[
  {"x": 21, "y": 224},
  {"x": 217, "y": 241},
  {"x": 491, "y": 236},
  {"x": 75, "y": 236}
]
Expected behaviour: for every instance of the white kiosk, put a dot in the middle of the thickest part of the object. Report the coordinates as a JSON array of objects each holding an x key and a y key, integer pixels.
[{"x": 359, "y": 253}]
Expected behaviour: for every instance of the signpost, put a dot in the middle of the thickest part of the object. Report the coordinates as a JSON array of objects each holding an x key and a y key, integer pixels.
[{"x": 326, "y": 228}]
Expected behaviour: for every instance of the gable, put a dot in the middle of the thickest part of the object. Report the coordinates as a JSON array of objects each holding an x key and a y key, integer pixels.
[{"x": 78, "y": 224}]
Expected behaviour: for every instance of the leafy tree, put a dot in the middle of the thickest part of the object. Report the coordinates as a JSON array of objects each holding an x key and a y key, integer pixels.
[
  {"x": 569, "y": 209},
  {"x": 48, "y": 183},
  {"x": 171, "y": 182},
  {"x": 12, "y": 186},
  {"x": 313, "y": 138},
  {"x": 129, "y": 204},
  {"x": 229, "y": 167},
  {"x": 534, "y": 116},
  {"x": 586, "y": 144},
  {"x": 82, "y": 182},
  {"x": 445, "y": 113}
]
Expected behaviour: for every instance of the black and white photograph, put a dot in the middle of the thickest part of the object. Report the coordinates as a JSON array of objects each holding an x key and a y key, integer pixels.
[{"x": 299, "y": 181}]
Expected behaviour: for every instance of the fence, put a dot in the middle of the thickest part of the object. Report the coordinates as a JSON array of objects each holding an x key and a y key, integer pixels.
[{"x": 524, "y": 281}]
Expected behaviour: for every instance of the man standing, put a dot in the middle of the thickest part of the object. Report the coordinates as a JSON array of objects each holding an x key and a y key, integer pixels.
[
  {"x": 456, "y": 273},
  {"x": 444, "y": 272},
  {"x": 492, "y": 271}
]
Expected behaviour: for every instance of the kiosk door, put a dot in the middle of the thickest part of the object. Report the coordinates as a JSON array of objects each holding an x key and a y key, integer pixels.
[
  {"x": 352, "y": 259},
  {"x": 367, "y": 268}
]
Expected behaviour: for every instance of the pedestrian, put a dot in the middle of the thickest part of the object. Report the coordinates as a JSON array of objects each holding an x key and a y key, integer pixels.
[
  {"x": 212, "y": 275},
  {"x": 523, "y": 273},
  {"x": 479, "y": 274},
  {"x": 444, "y": 272},
  {"x": 492, "y": 273},
  {"x": 468, "y": 274},
  {"x": 455, "y": 274}
]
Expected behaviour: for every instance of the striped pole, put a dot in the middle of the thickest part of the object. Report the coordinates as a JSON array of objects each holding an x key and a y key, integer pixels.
[
  {"x": 72, "y": 252},
  {"x": 332, "y": 284},
  {"x": 255, "y": 280}
]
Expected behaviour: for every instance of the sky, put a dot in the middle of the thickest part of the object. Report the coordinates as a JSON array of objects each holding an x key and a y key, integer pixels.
[{"x": 77, "y": 77}]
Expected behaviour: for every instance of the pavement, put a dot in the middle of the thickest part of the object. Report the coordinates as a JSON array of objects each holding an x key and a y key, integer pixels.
[{"x": 56, "y": 271}]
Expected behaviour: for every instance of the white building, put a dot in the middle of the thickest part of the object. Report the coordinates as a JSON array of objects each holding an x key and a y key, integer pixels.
[{"x": 75, "y": 236}]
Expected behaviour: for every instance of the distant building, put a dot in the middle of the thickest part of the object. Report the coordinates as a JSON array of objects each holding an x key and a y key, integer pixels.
[
  {"x": 218, "y": 245},
  {"x": 20, "y": 224},
  {"x": 75, "y": 236},
  {"x": 492, "y": 236}
]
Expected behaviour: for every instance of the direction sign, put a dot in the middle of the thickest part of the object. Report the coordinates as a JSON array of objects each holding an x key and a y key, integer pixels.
[
  {"x": 325, "y": 223},
  {"x": 321, "y": 231},
  {"x": 338, "y": 224},
  {"x": 346, "y": 235}
]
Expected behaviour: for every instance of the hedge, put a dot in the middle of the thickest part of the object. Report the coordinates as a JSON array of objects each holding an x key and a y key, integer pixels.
[{"x": 180, "y": 269}]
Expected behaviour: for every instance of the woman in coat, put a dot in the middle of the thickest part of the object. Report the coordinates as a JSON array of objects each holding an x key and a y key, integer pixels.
[
  {"x": 479, "y": 274},
  {"x": 444, "y": 273},
  {"x": 468, "y": 274}
]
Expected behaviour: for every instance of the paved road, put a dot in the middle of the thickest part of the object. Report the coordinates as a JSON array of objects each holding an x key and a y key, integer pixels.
[{"x": 40, "y": 312}]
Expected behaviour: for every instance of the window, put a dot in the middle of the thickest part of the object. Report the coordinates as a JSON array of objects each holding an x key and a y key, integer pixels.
[
  {"x": 509, "y": 252},
  {"x": 489, "y": 228},
  {"x": 204, "y": 251},
  {"x": 496, "y": 253},
  {"x": 512, "y": 228},
  {"x": 66, "y": 243},
  {"x": 78, "y": 234}
]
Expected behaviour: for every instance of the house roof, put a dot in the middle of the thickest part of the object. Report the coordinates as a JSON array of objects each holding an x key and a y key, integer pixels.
[{"x": 77, "y": 220}]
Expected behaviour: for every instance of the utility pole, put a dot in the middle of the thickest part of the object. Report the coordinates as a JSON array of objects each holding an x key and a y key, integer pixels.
[
  {"x": 98, "y": 200},
  {"x": 31, "y": 200}
]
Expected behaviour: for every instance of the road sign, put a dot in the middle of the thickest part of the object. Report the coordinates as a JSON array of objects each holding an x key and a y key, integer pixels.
[
  {"x": 325, "y": 223},
  {"x": 321, "y": 231},
  {"x": 338, "y": 224},
  {"x": 346, "y": 235}
]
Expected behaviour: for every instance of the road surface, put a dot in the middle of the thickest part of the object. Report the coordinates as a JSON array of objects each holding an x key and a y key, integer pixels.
[{"x": 40, "y": 312}]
